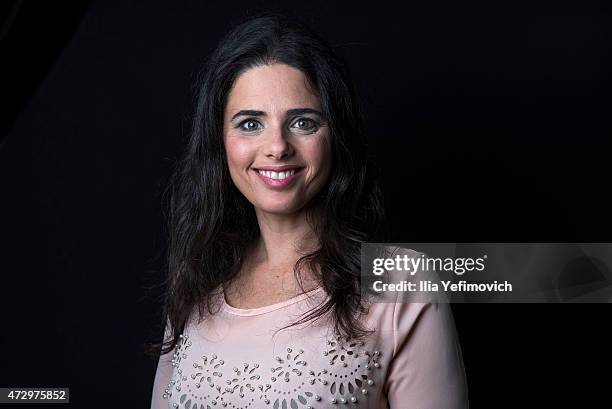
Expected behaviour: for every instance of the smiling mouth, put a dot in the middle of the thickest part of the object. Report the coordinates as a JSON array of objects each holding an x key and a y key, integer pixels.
[{"x": 278, "y": 175}]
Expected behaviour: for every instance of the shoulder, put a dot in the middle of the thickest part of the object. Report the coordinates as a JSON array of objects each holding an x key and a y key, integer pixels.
[{"x": 403, "y": 305}]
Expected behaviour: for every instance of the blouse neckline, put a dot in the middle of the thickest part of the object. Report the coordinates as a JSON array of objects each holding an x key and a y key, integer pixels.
[{"x": 267, "y": 308}]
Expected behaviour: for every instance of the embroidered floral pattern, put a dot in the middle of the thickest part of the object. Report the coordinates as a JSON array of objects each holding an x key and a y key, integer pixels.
[
  {"x": 286, "y": 367},
  {"x": 290, "y": 384},
  {"x": 351, "y": 370}
]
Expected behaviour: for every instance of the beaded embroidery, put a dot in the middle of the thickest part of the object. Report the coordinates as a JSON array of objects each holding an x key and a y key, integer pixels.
[{"x": 347, "y": 379}]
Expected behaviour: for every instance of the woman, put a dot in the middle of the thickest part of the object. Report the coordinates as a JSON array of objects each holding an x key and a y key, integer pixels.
[{"x": 268, "y": 209}]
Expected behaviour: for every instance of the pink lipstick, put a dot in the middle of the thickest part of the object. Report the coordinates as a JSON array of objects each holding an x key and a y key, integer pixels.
[{"x": 278, "y": 177}]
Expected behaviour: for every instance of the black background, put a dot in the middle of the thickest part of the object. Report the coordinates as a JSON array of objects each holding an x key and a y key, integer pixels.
[{"x": 490, "y": 122}]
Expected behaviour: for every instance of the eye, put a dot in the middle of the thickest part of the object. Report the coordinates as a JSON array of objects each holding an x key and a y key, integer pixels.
[
  {"x": 306, "y": 124},
  {"x": 249, "y": 125}
]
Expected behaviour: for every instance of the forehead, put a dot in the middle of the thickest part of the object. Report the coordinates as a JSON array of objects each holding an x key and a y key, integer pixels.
[{"x": 271, "y": 87}]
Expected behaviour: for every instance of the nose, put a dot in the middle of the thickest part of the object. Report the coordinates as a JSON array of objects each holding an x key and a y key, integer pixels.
[{"x": 276, "y": 144}]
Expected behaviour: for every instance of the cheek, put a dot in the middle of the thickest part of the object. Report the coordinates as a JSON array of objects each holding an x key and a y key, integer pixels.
[
  {"x": 319, "y": 153},
  {"x": 238, "y": 153}
]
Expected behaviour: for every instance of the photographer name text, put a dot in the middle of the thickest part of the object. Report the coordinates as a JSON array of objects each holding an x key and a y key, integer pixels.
[{"x": 447, "y": 286}]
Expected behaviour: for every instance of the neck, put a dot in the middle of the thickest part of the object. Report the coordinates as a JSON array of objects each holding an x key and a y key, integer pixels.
[{"x": 284, "y": 238}]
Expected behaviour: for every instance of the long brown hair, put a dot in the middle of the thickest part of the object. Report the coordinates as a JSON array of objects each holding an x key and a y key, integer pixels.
[{"x": 211, "y": 224}]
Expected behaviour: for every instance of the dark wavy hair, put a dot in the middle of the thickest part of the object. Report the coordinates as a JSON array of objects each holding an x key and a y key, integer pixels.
[{"x": 211, "y": 224}]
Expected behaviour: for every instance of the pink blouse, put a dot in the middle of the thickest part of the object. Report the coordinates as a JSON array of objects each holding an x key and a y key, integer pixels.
[{"x": 234, "y": 359}]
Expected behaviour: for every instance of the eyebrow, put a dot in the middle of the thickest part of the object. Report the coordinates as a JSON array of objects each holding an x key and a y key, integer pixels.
[{"x": 295, "y": 111}]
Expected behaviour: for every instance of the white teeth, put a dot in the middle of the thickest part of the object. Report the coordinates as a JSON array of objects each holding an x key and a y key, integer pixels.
[{"x": 276, "y": 175}]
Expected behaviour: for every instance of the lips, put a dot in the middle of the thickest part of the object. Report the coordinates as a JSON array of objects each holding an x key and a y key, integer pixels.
[{"x": 278, "y": 177}]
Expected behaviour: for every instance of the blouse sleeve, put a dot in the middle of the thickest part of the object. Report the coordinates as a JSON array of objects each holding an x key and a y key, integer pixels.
[
  {"x": 426, "y": 370},
  {"x": 162, "y": 376}
]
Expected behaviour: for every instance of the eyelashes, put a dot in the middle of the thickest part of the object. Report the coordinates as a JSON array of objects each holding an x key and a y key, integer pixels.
[
  {"x": 246, "y": 125},
  {"x": 311, "y": 124},
  {"x": 302, "y": 125}
]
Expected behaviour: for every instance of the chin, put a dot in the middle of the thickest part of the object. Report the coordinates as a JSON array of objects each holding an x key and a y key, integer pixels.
[{"x": 278, "y": 208}]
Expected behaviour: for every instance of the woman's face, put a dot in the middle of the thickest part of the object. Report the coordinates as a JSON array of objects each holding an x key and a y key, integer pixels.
[{"x": 276, "y": 139}]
